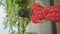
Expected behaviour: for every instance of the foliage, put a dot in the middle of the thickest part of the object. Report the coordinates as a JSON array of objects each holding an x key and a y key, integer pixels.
[{"x": 12, "y": 20}]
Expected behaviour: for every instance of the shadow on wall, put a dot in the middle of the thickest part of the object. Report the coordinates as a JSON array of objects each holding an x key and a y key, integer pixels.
[{"x": 57, "y": 2}]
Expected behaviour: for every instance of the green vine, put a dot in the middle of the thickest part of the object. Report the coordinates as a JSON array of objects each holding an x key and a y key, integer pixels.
[{"x": 12, "y": 19}]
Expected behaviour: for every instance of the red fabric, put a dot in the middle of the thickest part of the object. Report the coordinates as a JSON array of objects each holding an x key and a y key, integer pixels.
[{"x": 51, "y": 13}]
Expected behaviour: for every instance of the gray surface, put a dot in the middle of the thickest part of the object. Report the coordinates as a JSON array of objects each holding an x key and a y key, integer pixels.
[
  {"x": 57, "y": 2},
  {"x": 43, "y": 27}
]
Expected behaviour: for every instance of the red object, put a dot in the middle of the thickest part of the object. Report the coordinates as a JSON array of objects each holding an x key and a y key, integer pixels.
[{"x": 51, "y": 13}]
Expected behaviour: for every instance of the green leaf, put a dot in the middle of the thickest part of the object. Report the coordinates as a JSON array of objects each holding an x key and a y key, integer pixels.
[{"x": 26, "y": 22}]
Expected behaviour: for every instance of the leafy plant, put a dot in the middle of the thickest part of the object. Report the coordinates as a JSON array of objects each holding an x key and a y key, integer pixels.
[{"x": 12, "y": 19}]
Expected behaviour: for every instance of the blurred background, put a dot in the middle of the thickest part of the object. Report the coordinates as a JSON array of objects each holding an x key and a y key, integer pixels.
[{"x": 45, "y": 28}]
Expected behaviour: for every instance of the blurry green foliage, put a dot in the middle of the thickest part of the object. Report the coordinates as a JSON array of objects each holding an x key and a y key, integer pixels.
[{"x": 12, "y": 20}]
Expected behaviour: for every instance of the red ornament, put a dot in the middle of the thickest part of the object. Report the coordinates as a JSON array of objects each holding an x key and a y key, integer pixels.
[{"x": 51, "y": 13}]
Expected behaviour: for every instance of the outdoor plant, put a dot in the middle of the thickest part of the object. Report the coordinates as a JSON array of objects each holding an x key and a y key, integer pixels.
[{"x": 13, "y": 19}]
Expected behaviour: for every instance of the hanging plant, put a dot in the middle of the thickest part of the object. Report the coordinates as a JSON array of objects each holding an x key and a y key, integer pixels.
[{"x": 13, "y": 18}]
